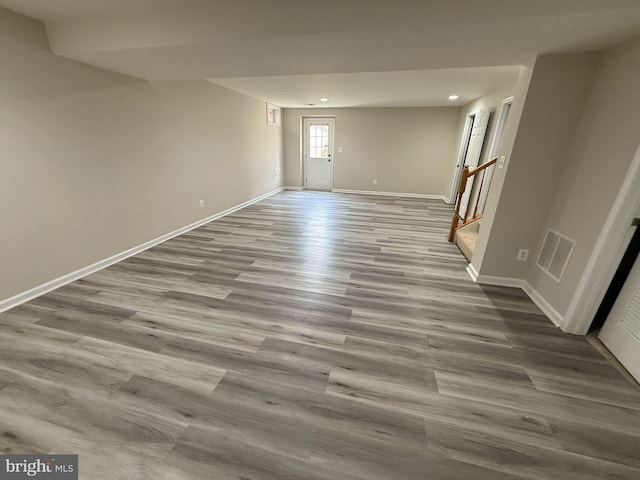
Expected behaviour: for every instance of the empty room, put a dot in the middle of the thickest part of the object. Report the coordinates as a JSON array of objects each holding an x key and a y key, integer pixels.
[{"x": 349, "y": 239}]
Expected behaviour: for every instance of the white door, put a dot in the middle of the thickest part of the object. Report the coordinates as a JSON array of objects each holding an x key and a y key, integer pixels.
[
  {"x": 474, "y": 150},
  {"x": 462, "y": 154},
  {"x": 494, "y": 151},
  {"x": 318, "y": 153},
  {"x": 621, "y": 332}
]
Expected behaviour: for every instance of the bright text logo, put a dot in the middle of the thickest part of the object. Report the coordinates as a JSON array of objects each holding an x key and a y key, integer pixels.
[{"x": 50, "y": 467}]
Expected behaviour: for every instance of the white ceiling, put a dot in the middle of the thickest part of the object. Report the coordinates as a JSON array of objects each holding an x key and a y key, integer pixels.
[
  {"x": 408, "y": 88},
  {"x": 354, "y": 52}
]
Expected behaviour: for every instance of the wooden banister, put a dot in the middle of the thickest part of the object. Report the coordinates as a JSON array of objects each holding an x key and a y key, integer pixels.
[
  {"x": 469, "y": 222},
  {"x": 482, "y": 167},
  {"x": 466, "y": 175},
  {"x": 456, "y": 216}
]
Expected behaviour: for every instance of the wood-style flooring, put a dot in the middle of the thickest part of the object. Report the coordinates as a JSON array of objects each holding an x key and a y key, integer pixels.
[{"x": 310, "y": 336}]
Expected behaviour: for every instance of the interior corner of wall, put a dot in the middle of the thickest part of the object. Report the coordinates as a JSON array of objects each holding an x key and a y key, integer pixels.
[{"x": 545, "y": 306}]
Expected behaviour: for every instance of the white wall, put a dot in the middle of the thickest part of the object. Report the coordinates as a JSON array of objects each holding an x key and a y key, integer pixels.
[
  {"x": 557, "y": 91},
  {"x": 521, "y": 89},
  {"x": 603, "y": 146},
  {"x": 94, "y": 163},
  {"x": 576, "y": 139},
  {"x": 408, "y": 150}
]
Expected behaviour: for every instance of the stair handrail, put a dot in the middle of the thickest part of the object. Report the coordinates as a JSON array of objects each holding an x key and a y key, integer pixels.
[
  {"x": 482, "y": 167},
  {"x": 466, "y": 175}
]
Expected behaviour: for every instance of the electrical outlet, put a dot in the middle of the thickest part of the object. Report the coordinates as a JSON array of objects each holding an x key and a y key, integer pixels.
[
  {"x": 501, "y": 161},
  {"x": 201, "y": 203},
  {"x": 523, "y": 255},
  {"x": 375, "y": 181}
]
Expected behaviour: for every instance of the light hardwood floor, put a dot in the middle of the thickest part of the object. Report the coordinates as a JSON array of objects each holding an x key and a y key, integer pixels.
[{"x": 310, "y": 336}]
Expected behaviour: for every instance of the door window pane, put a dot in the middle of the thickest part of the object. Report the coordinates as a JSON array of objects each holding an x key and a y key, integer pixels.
[{"x": 319, "y": 141}]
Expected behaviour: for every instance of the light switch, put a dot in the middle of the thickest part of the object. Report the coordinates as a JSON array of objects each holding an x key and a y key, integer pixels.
[
  {"x": 339, "y": 149},
  {"x": 501, "y": 161}
]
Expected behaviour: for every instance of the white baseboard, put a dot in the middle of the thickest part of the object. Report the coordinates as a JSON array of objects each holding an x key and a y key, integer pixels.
[
  {"x": 291, "y": 187},
  {"x": 392, "y": 194},
  {"x": 551, "y": 313},
  {"x": 472, "y": 273},
  {"x": 32, "y": 293},
  {"x": 533, "y": 294},
  {"x": 491, "y": 280}
]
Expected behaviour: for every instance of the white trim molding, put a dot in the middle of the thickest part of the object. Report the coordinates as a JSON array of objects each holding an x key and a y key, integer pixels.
[
  {"x": 473, "y": 273},
  {"x": 392, "y": 194},
  {"x": 603, "y": 262},
  {"x": 492, "y": 280},
  {"x": 292, "y": 187},
  {"x": 32, "y": 293},
  {"x": 551, "y": 313},
  {"x": 606, "y": 254}
]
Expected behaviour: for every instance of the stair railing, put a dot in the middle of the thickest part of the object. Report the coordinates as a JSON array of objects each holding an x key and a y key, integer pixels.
[{"x": 465, "y": 217}]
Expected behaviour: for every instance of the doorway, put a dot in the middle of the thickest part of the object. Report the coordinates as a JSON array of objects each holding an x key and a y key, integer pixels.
[
  {"x": 318, "y": 153},
  {"x": 494, "y": 151},
  {"x": 621, "y": 330},
  {"x": 606, "y": 255},
  {"x": 619, "y": 279},
  {"x": 462, "y": 154},
  {"x": 470, "y": 151}
]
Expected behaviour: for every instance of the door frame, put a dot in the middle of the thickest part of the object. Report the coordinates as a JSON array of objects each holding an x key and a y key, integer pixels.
[
  {"x": 496, "y": 143},
  {"x": 619, "y": 340},
  {"x": 462, "y": 155},
  {"x": 501, "y": 122},
  {"x": 606, "y": 255},
  {"x": 303, "y": 145},
  {"x": 631, "y": 254}
]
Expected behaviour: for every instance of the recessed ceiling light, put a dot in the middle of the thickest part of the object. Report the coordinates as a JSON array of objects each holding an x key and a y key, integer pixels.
[
  {"x": 453, "y": 97},
  {"x": 324, "y": 100}
]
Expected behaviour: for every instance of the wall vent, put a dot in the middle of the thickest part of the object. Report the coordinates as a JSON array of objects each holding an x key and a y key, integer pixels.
[{"x": 555, "y": 253}]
